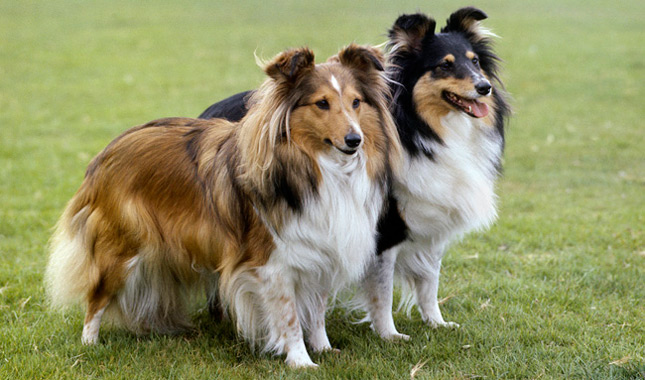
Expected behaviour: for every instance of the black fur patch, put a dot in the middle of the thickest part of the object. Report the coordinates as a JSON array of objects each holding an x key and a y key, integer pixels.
[
  {"x": 392, "y": 229},
  {"x": 232, "y": 108}
]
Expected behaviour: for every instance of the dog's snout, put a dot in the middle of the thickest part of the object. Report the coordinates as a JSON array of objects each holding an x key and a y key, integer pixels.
[
  {"x": 483, "y": 87},
  {"x": 353, "y": 140}
]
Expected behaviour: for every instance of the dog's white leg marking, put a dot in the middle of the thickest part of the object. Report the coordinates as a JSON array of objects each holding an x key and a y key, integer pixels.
[
  {"x": 91, "y": 328},
  {"x": 427, "y": 288},
  {"x": 286, "y": 331},
  {"x": 378, "y": 285},
  {"x": 317, "y": 335},
  {"x": 291, "y": 332}
]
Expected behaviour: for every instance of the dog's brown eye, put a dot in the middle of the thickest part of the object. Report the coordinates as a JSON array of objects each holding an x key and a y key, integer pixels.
[
  {"x": 322, "y": 104},
  {"x": 356, "y": 103},
  {"x": 476, "y": 61}
]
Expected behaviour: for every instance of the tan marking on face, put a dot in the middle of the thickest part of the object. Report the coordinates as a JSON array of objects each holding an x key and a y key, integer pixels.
[
  {"x": 470, "y": 55},
  {"x": 375, "y": 144},
  {"x": 429, "y": 103},
  {"x": 432, "y": 107},
  {"x": 449, "y": 58}
]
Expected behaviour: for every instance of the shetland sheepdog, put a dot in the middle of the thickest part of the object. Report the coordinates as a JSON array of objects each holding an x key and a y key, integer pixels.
[
  {"x": 450, "y": 109},
  {"x": 280, "y": 208}
]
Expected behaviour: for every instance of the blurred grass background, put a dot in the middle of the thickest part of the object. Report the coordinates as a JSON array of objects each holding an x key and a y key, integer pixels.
[{"x": 555, "y": 290}]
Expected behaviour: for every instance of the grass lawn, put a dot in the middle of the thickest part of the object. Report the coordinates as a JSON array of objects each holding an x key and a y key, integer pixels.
[{"x": 556, "y": 289}]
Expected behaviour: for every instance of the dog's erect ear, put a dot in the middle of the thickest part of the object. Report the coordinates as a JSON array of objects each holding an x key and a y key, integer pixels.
[
  {"x": 465, "y": 20},
  {"x": 290, "y": 65},
  {"x": 408, "y": 31},
  {"x": 362, "y": 58}
]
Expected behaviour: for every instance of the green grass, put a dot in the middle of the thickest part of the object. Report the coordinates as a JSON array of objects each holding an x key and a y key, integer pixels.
[{"x": 556, "y": 289}]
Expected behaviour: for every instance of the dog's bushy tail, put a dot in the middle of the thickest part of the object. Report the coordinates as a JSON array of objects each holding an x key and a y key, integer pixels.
[
  {"x": 70, "y": 271},
  {"x": 154, "y": 297}
]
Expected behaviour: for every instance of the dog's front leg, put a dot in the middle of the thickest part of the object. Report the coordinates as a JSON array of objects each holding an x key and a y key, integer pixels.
[
  {"x": 285, "y": 331},
  {"x": 427, "y": 289},
  {"x": 377, "y": 289}
]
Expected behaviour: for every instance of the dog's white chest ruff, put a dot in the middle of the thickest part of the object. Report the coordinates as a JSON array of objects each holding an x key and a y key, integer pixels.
[
  {"x": 452, "y": 193},
  {"x": 334, "y": 235}
]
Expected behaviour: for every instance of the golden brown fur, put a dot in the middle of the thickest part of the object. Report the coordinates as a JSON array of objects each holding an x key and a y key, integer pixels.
[{"x": 168, "y": 203}]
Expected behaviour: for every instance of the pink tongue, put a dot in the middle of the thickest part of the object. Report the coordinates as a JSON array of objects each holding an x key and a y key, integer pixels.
[{"x": 476, "y": 108}]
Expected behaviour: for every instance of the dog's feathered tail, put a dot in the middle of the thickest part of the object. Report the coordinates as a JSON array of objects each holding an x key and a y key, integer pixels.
[
  {"x": 153, "y": 297},
  {"x": 70, "y": 272}
]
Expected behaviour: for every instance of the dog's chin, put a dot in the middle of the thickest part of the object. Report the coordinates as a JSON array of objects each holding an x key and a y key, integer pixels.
[{"x": 471, "y": 107}]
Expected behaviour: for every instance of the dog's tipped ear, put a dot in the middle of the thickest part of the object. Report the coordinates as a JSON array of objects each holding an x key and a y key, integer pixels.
[
  {"x": 290, "y": 65},
  {"x": 465, "y": 20},
  {"x": 408, "y": 31},
  {"x": 362, "y": 58}
]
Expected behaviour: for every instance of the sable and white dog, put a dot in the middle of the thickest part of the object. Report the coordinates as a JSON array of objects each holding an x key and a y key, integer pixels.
[
  {"x": 280, "y": 207},
  {"x": 450, "y": 118}
]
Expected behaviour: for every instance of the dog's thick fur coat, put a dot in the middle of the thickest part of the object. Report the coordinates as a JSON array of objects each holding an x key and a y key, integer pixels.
[{"x": 279, "y": 210}]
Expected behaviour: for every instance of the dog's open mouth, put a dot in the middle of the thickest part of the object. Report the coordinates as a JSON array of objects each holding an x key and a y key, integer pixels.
[{"x": 470, "y": 106}]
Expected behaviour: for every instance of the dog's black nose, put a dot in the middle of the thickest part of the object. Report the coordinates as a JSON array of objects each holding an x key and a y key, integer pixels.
[
  {"x": 353, "y": 140},
  {"x": 483, "y": 87}
]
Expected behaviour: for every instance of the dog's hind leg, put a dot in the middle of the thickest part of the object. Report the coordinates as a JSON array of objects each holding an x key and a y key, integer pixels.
[
  {"x": 377, "y": 288},
  {"x": 98, "y": 300},
  {"x": 95, "y": 309},
  {"x": 109, "y": 253}
]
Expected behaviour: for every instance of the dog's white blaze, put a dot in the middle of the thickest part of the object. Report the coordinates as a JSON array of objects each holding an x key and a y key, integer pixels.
[
  {"x": 355, "y": 125},
  {"x": 335, "y": 84}
]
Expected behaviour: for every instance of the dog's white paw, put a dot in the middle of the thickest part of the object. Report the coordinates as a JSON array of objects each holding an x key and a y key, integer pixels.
[
  {"x": 89, "y": 340},
  {"x": 325, "y": 349},
  {"x": 394, "y": 336},
  {"x": 90, "y": 335},
  {"x": 389, "y": 332},
  {"x": 300, "y": 361},
  {"x": 443, "y": 324}
]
